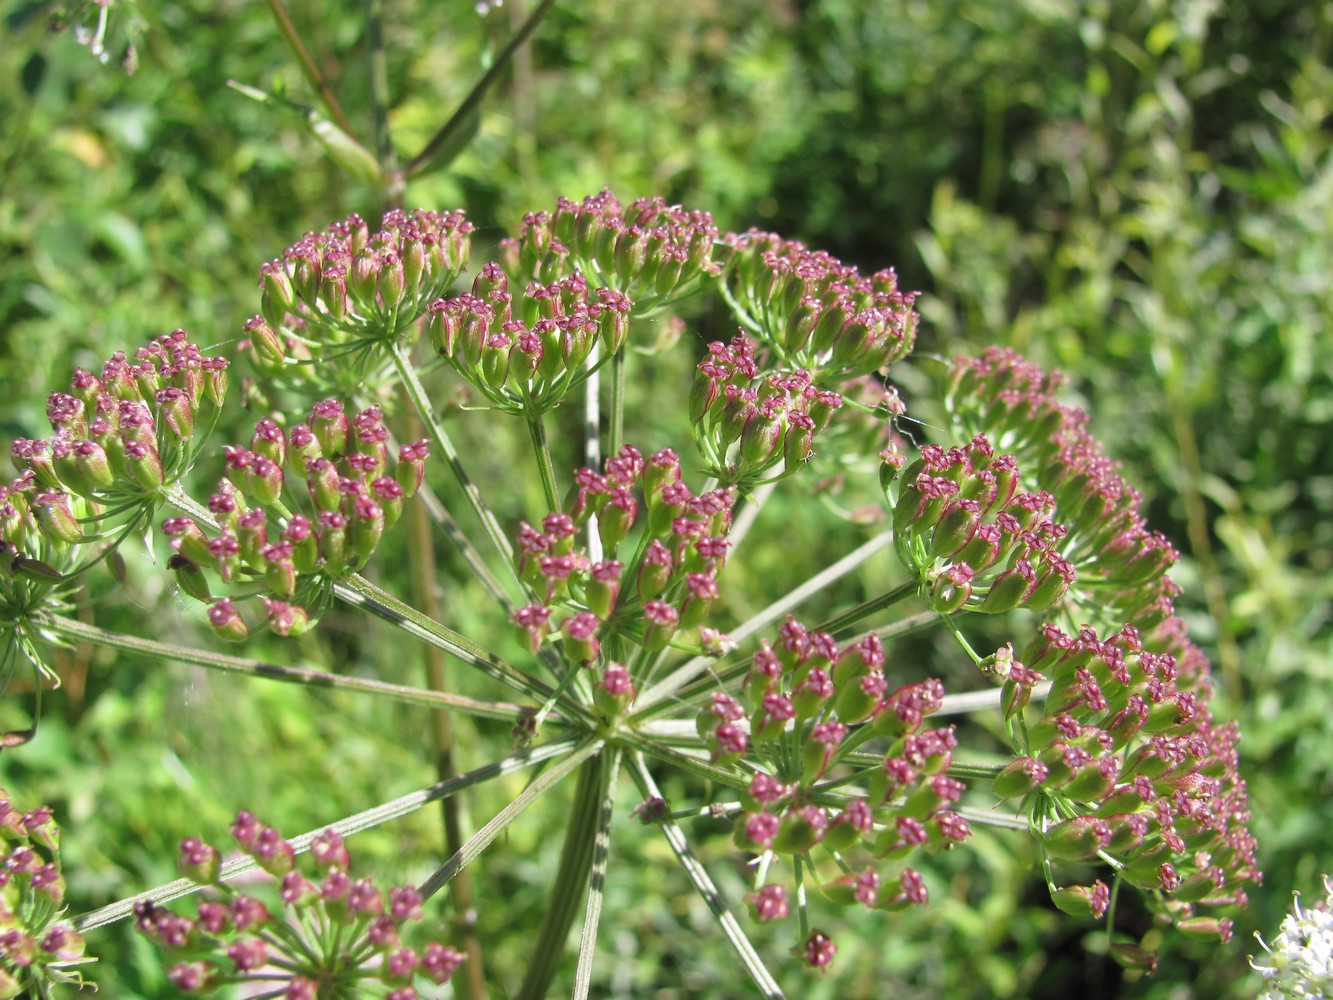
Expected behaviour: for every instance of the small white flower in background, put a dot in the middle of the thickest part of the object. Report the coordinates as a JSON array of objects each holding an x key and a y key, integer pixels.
[{"x": 1299, "y": 962}]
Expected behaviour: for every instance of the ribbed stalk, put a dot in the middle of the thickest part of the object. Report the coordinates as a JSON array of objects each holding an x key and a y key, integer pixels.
[{"x": 571, "y": 881}]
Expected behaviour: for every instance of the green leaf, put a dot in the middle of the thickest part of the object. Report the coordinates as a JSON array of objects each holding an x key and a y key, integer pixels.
[{"x": 458, "y": 140}]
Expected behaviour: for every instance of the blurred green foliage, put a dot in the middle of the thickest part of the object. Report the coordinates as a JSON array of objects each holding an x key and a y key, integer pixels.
[{"x": 1140, "y": 191}]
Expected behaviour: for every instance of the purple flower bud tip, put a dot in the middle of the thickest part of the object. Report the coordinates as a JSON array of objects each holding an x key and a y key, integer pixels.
[
  {"x": 652, "y": 810},
  {"x": 819, "y": 950}
]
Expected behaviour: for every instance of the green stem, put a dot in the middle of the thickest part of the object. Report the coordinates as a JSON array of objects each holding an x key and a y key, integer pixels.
[
  {"x": 480, "y": 840},
  {"x": 417, "y": 393},
  {"x": 693, "y": 668},
  {"x": 592, "y": 442},
  {"x": 471, "y": 985},
  {"x": 980, "y": 772},
  {"x": 541, "y": 447},
  {"x": 68, "y": 628},
  {"x": 360, "y": 592},
  {"x": 379, "y": 87},
  {"x": 459, "y": 539},
  {"x": 683, "y": 761},
  {"x": 566, "y": 682},
  {"x": 601, "y": 855},
  {"x": 616, "y": 430},
  {"x": 391, "y": 810},
  {"x": 719, "y": 679},
  {"x": 961, "y": 639},
  {"x": 864, "y": 610},
  {"x": 308, "y": 68},
  {"x": 802, "y": 914},
  {"x": 704, "y": 885},
  {"x": 571, "y": 879},
  {"x": 474, "y": 98},
  {"x": 754, "y": 505}
]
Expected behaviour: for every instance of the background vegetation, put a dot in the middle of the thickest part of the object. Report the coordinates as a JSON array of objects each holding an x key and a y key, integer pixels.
[{"x": 1137, "y": 191}]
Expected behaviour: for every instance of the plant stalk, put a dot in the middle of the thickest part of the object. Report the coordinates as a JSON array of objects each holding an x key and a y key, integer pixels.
[
  {"x": 68, "y": 628},
  {"x": 542, "y": 449},
  {"x": 308, "y": 68},
  {"x": 471, "y": 985},
  {"x": 417, "y": 393},
  {"x": 571, "y": 880},
  {"x": 474, "y": 98}
]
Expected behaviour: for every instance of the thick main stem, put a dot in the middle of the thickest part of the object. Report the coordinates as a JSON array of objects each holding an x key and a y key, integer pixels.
[{"x": 571, "y": 880}]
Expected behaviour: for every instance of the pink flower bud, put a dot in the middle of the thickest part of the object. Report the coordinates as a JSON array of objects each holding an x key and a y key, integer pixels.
[
  {"x": 54, "y": 518},
  {"x": 198, "y": 861},
  {"x": 655, "y": 571},
  {"x": 330, "y": 426},
  {"x": 226, "y": 621},
  {"x": 580, "y": 635},
  {"x": 660, "y": 621},
  {"x": 769, "y": 903},
  {"x": 819, "y": 950}
]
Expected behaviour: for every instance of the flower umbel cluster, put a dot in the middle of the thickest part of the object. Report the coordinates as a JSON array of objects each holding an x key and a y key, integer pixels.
[
  {"x": 1125, "y": 763},
  {"x": 348, "y": 292},
  {"x": 821, "y": 751},
  {"x": 806, "y": 705},
  {"x": 264, "y": 547},
  {"x": 667, "y": 586},
  {"x": 968, "y": 534},
  {"x": 124, "y": 438},
  {"x": 814, "y": 312},
  {"x": 526, "y": 356},
  {"x": 1120, "y": 562},
  {"x": 653, "y": 252},
  {"x": 332, "y": 938},
  {"x": 1299, "y": 961},
  {"x": 752, "y": 427},
  {"x": 37, "y": 949}
]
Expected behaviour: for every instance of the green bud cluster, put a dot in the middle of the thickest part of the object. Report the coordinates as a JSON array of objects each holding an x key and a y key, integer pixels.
[
  {"x": 347, "y": 292},
  {"x": 970, "y": 537},
  {"x": 661, "y": 596},
  {"x": 1121, "y": 565},
  {"x": 120, "y": 439},
  {"x": 1124, "y": 760},
  {"x": 753, "y": 428},
  {"x": 805, "y": 708},
  {"x": 123, "y": 438}
]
